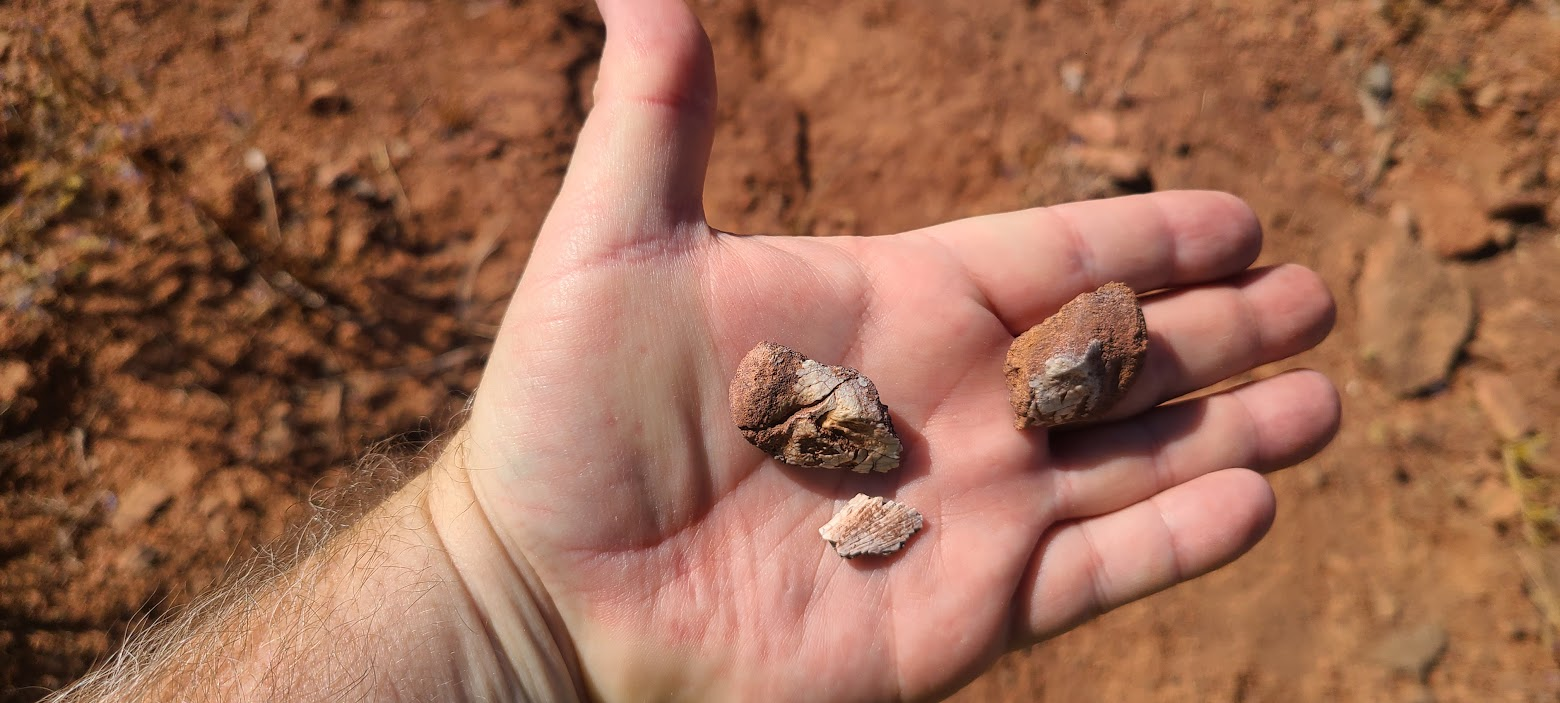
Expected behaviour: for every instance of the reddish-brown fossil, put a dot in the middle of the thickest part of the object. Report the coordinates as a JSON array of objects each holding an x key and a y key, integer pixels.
[
  {"x": 1078, "y": 363},
  {"x": 809, "y": 414}
]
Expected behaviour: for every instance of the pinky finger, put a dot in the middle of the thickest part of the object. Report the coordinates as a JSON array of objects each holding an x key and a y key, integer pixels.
[{"x": 1083, "y": 568}]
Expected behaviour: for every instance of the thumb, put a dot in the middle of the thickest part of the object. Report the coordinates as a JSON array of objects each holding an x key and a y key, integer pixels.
[{"x": 638, "y": 169}]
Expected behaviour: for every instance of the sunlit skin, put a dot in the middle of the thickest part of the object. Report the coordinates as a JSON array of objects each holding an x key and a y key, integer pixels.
[{"x": 684, "y": 560}]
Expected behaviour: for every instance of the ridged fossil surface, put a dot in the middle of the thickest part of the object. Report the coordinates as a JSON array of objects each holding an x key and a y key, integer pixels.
[
  {"x": 809, "y": 414},
  {"x": 870, "y": 525}
]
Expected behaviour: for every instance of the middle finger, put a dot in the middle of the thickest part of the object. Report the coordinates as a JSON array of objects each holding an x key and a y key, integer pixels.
[{"x": 1202, "y": 335}]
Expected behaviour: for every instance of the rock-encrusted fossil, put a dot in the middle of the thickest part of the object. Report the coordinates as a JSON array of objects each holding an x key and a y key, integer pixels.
[
  {"x": 1078, "y": 363},
  {"x": 870, "y": 525},
  {"x": 809, "y": 414}
]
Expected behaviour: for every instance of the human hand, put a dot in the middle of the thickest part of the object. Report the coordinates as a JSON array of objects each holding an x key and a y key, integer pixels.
[{"x": 677, "y": 559}]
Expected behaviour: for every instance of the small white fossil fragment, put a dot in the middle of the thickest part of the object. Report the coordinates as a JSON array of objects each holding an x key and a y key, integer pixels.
[
  {"x": 1069, "y": 384},
  {"x": 809, "y": 414},
  {"x": 870, "y": 525}
]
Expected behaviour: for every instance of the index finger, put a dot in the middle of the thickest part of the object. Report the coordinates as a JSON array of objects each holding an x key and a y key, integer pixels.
[{"x": 1029, "y": 262}]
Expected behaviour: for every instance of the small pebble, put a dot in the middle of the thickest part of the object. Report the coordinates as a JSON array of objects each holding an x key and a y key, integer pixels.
[
  {"x": 1503, "y": 405},
  {"x": 1073, "y": 76}
]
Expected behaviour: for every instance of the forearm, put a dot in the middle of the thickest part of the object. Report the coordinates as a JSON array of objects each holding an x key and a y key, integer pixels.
[{"x": 417, "y": 601}]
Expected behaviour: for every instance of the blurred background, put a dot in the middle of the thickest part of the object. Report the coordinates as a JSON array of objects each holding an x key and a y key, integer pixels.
[{"x": 243, "y": 242}]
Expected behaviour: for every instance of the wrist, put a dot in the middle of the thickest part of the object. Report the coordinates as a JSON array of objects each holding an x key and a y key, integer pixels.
[
  {"x": 606, "y": 646},
  {"x": 516, "y": 642}
]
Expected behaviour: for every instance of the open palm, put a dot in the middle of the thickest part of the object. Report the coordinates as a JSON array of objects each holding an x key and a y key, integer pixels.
[{"x": 682, "y": 560}]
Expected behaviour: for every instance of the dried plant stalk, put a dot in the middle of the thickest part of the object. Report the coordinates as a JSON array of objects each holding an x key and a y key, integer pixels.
[
  {"x": 809, "y": 414},
  {"x": 1078, "y": 363},
  {"x": 870, "y": 525}
]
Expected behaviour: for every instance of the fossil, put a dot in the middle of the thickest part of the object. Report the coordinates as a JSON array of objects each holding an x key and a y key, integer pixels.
[
  {"x": 1078, "y": 363},
  {"x": 870, "y": 525},
  {"x": 809, "y": 414}
]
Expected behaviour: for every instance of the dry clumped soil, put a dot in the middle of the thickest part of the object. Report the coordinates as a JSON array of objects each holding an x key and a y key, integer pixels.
[{"x": 190, "y": 345}]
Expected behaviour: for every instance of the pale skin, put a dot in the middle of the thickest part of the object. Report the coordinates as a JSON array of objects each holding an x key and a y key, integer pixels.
[{"x": 600, "y": 529}]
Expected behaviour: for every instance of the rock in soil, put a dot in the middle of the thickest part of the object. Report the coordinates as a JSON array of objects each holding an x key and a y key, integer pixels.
[
  {"x": 1503, "y": 405},
  {"x": 16, "y": 379},
  {"x": 139, "y": 503},
  {"x": 1414, "y": 316},
  {"x": 1073, "y": 75},
  {"x": 146, "y": 497},
  {"x": 1412, "y": 650},
  {"x": 1451, "y": 218},
  {"x": 1375, "y": 92},
  {"x": 1096, "y": 128},
  {"x": 1123, "y": 166},
  {"x": 1498, "y": 502},
  {"x": 325, "y": 97},
  {"x": 1377, "y": 82}
]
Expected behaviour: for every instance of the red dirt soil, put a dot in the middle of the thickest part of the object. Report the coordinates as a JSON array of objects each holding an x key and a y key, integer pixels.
[{"x": 245, "y": 241}]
